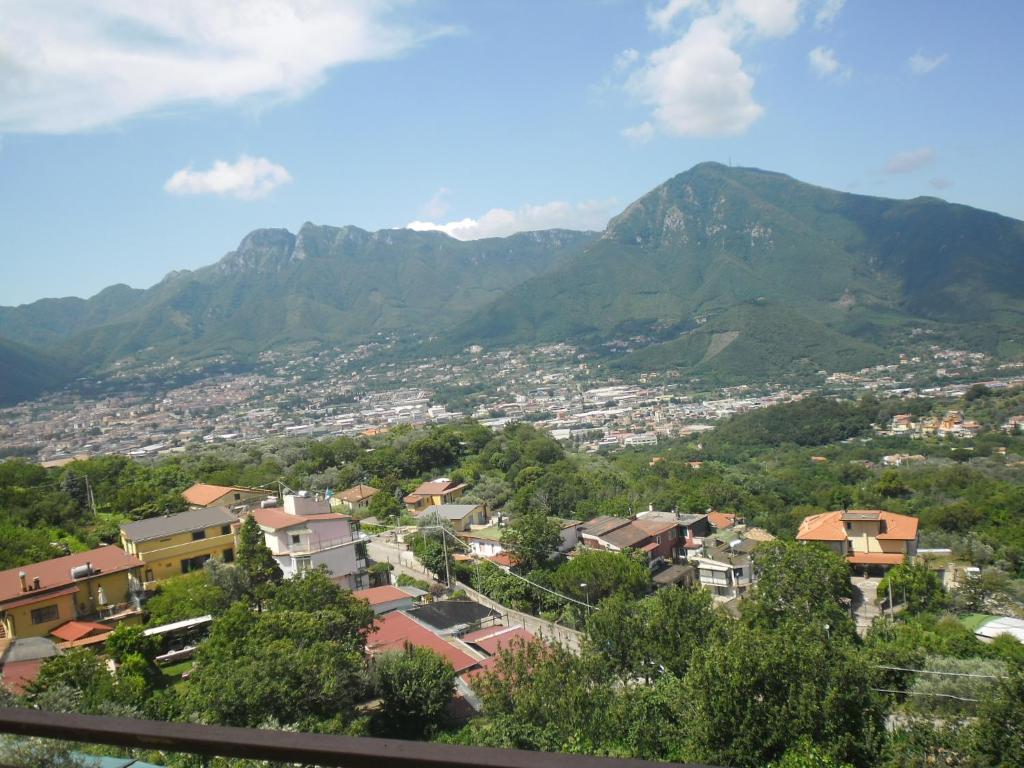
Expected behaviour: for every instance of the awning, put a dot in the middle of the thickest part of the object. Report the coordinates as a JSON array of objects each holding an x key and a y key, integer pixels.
[{"x": 875, "y": 558}]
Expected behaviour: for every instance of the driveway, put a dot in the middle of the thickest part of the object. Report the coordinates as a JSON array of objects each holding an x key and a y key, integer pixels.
[{"x": 865, "y": 609}]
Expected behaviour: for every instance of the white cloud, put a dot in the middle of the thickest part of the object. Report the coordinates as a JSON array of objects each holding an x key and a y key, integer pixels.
[
  {"x": 823, "y": 62},
  {"x": 910, "y": 161},
  {"x": 940, "y": 183},
  {"x": 921, "y": 65},
  {"x": 697, "y": 85},
  {"x": 248, "y": 178},
  {"x": 828, "y": 12},
  {"x": 626, "y": 59},
  {"x": 437, "y": 206},
  {"x": 501, "y": 222},
  {"x": 81, "y": 64},
  {"x": 639, "y": 133}
]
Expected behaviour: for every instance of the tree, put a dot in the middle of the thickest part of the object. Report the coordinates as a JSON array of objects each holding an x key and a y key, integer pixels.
[
  {"x": 127, "y": 640},
  {"x": 775, "y": 688},
  {"x": 256, "y": 562},
  {"x": 415, "y": 686},
  {"x": 185, "y": 597},
  {"x": 603, "y": 573},
  {"x": 532, "y": 538},
  {"x": 914, "y": 584},
  {"x": 384, "y": 506},
  {"x": 79, "y": 672},
  {"x": 800, "y": 584},
  {"x": 314, "y": 591},
  {"x": 1000, "y": 730},
  {"x": 296, "y": 667}
]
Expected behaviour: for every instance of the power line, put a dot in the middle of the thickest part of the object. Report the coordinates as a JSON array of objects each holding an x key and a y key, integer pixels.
[
  {"x": 937, "y": 672},
  {"x": 926, "y": 693}
]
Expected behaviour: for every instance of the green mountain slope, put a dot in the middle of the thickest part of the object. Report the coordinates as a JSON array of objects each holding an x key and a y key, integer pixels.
[
  {"x": 321, "y": 285},
  {"x": 761, "y": 272},
  {"x": 26, "y": 373}
]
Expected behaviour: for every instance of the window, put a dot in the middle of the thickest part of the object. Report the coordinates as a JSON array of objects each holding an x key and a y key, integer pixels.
[
  {"x": 197, "y": 535},
  {"x": 657, "y": 539},
  {"x": 225, "y": 530},
  {"x": 193, "y": 563},
  {"x": 43, "y": 615},
  {"x": 302, "y": 564},
  {"x": 238, "y": 497},
  {"x": 848, "y": 525},
  {"x": 229, "y": 555},
  {"x": 149, "y": 574},
  {"x": 296, "y": 538}
]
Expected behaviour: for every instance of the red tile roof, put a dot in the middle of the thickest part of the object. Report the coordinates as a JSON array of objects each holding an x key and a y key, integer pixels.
[
  {"x": 828, "y": 526},
  {"x": 204, "y": 494},
  {"x": 494, "y": 642},
  {"x": 875, "y": 558},
  {"x": 358, "y": 493},
  {"x": 15, "y": 675},
  {"x": 393, "y": 630},
  {"x": 76, "y": 630},
  {"x": 379, "y": 595},
  {"x": 276, "y": 518},
  {"x": 56, "y": 573},
  {"x": 721, "y": 520}
]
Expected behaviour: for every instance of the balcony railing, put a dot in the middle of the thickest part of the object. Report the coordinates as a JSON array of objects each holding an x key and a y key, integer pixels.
[{"x": 288, "y": 747}]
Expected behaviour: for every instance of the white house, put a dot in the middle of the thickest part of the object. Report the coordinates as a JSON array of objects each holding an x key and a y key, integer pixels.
[{"x": 305, "y": 534}]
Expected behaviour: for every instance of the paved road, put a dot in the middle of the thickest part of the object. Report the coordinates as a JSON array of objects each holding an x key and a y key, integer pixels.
[
  {"x": 865, "y": 609},
  {"x": 381, "y": 551}
]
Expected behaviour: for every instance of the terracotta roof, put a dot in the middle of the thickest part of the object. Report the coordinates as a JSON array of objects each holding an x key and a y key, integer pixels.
[
  {"x": 655, "y": 527},
  {"x": 434, "y": 488},
  {"x": 504, "y": 559},
  {"x": 18, "y": 674},
  {"x": 276, "y": 518},
  {"x": 76, "y": 630},
  {"x": 493, "y": 643},
  {"x": 56, "y": 573},
  {"x": 875, "y": 558},
  {"x": 828, "y": 526},
  {"x": 86, "y": 641},
  {"x": 379, "y": 595},
  {"x": 202, "y": 494},
  {"x": 721, "y": 520},
  {"x": 602, "y": 525},
  {"x": 40, "y": 596},
  {"x": 393, "y": 630},
  {"x": 358, "y": 493}
]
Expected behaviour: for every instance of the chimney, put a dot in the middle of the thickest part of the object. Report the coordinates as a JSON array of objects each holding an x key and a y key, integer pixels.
[
  {"x": 24, "y": 581},
  {"x": 88, "y": 565},
  {"x": 35, "y": 583}
]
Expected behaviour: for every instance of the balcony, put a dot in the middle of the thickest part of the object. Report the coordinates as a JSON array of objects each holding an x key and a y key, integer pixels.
[{"x": 287, "y": 747}]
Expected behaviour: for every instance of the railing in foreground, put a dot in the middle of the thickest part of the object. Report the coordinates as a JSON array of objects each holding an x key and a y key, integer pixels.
[{"x": 285, "y": 746}]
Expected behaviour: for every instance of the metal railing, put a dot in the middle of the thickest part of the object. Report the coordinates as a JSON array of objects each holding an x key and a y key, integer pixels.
[{"x": 286, "y": 746}]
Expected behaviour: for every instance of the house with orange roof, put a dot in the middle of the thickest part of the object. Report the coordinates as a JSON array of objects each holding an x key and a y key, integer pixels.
[
  {"x": 435, "y": 492},
  {"x": 385, "y": 599},
  {"x": 206, "y": 495},
  {"x": 871, "y": 540},
  {"x": 39, "y": 598},
  {"x": 357, "y": 497}
]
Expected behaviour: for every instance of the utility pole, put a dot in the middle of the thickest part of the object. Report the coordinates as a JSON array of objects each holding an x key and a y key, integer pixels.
[
  {"x": 892, "y": 612},
  {"x": 89, "y": 495},
  {"x": 444, "y": 544}
]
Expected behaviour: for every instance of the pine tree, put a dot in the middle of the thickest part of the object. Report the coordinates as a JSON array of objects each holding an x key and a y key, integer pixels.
[{"x": 258, "y": 566}]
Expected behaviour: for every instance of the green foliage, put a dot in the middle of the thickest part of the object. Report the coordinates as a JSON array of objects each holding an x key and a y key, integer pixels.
[
  {"x": 80, "y": 673},
  {"x": 800, "y": 586},
  {"x": 415, "y": 686},
  {"x": 127, "y": 641},
  {"x": 1000, "y": 733},
  {"x": 532, "y": 538},
  {"x": 753, "y": 698},
  {"x": 604, "y": 574},
  {"x": 255, "y": 561},
  {"x": 296, "y": 666},
  {"x": 914, "y": 585},
  {"x": 185, "y": 597}
]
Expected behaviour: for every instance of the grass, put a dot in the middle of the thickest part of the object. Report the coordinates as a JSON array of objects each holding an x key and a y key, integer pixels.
[
  {"x": 974, "y": 620},
  {"x": 175, "y": 670}
]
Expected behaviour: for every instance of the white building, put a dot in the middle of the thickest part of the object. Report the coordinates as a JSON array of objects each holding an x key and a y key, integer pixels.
[{"x": 305, "y": 534}]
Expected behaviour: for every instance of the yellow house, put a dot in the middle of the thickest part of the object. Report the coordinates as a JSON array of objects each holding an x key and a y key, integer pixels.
[
  {"x": 434, "y": 493},
  {"x": 461, "y": 516},
  {"x": 206, "y": 495},
  {"x": 36, "y": 599},
  {"x": 171, "y": 545},
  {"x": 871, "y": 538}
]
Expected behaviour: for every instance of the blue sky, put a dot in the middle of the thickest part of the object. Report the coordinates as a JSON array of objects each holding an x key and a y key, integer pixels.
[{"x": 137, "y": 138}]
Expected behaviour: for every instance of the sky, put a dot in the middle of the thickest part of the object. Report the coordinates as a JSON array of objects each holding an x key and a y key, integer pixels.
[{"x": 141, "y": 138}]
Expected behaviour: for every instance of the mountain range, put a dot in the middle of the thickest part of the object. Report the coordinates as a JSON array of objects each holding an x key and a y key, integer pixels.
[{"x": 728, "y": 273}]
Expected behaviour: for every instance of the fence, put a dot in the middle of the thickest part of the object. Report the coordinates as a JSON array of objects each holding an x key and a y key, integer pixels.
[{"x": 541, "y": 627}]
